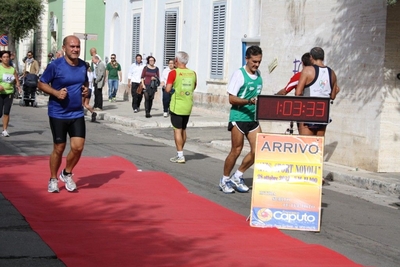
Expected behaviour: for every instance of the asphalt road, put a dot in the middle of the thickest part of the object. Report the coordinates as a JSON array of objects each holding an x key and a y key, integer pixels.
[{"x": 366, "y": 232}]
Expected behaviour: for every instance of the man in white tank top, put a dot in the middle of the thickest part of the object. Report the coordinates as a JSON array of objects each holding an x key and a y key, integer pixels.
[{"x": 317, "y": 80}]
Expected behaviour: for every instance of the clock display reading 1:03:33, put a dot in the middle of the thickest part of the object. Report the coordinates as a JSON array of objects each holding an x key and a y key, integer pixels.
[{"x": 293, "y": 108}]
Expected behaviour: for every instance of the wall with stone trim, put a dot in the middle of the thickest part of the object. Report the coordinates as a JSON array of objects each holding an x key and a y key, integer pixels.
[
  {"x": 353, "y": 35},
  {"x": 390, "y": 122}
]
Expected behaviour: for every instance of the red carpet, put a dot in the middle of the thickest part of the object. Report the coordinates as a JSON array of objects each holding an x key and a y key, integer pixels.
[{"x": 123, "y": 217}]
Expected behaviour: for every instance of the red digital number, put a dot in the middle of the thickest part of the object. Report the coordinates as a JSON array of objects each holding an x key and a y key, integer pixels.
[
  {"x": 320, "y": 109},
  {"x": 277, "y": 107},
  {"x": 310, "y": 110},
  {"x": 297, "y": 108},
  {"x": 287, "y": 108}
]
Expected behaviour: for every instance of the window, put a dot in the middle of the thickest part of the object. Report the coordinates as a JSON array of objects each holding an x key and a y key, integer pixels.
[
  {"x": 135, "y": 36},
  {"x": 218, "y": 40},
  {"x": 170, "y": 29}
]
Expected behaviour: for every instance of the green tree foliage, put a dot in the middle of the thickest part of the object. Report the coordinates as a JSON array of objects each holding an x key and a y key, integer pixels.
[
  {"x": 18, "y": 17},
  {"x": 391, "y": 2}
]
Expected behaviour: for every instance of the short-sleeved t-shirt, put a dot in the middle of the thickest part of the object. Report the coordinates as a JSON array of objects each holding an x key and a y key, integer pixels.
[
  {"x": 62, "y": 75},
  {"x": 113, "y": 72}
]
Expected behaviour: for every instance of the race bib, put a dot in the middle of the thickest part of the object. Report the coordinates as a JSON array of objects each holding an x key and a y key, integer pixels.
[{"x": 8, "y": 78}]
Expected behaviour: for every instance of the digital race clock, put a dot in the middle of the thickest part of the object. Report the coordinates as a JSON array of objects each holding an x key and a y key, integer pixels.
[{"x": 293, "y": 108}]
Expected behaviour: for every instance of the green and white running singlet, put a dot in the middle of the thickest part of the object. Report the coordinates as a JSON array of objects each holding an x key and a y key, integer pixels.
[
  {"x": 184, "y": 85},
  {"x": 251, "y": 87}
]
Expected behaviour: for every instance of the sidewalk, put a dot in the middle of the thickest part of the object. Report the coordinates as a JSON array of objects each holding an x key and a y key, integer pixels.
[{"x": 121, "y": 112}]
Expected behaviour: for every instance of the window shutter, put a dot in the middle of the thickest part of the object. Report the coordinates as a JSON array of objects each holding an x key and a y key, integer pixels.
[
  {"x": 170, "y": 35},
  {"x": 135, "y": 36},
  {"x": 218, "y": 40}
]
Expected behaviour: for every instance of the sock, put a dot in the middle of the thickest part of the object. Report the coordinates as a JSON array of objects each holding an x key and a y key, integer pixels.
[
  {"x": 225, "y": 178},
  {"x": 66, "y": 173},
  {"x": 180, "y": 153},
  {"x": 238, "y": 174}
]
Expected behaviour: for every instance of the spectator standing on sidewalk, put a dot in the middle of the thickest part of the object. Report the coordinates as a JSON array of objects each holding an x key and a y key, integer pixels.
[
  {"x": 114, "y": 77},
  {"x": 243, "y": 89},
  {"x": 134, "y": 81},
  {"x": 184, "y": 81},
  {"x": 12, "y": 59},
  {"x": 166, "y": 97},
  {"x": 51, "y": 57},
  {"x": 100, "y": 74},
  {"x": 86, "y": 99},
  {"x": 65, "y": 80},
  {"x": 59, "y": 53},
  {"x": 93, "y": 52},
  {"x": 150, "y": 76},
  {"x": 31, "y": 65}
]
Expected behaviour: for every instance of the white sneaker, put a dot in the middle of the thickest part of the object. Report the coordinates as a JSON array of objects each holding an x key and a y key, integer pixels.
[
  {"x": 165, "y": 114},
  {"x": 67, "y": 179},
  {"x": 238, "y": 184},
  {"x": 5, "y": 133},
  {"x": 226, "y": 186},
  {"x": 53, "y": 186},
  {"x": 177, "y": 159}
]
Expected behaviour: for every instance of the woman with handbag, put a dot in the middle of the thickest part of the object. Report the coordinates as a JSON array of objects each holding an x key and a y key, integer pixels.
[{"x": 150, "y": 78}]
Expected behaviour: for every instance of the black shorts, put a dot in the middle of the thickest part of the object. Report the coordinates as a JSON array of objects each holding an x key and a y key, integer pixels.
[
  {"x": 244, "y": 127},
  {"x": 179, "y": 121},
  {"x": 315, "y": 126},
  {"x": 60, "y": 128},
  {"x": 6, "y": 103}
]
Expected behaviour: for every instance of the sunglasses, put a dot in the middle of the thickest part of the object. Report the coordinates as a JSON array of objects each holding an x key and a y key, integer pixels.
[{"x": 113, "y": 58}]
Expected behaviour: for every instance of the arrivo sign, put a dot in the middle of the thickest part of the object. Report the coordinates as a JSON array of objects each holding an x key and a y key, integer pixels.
[
  {"x": 4, "y": 40},
  {"x": 293, "y": 108}
]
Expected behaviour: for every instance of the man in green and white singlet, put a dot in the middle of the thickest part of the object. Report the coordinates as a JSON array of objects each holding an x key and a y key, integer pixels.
[{"x": 243, "y": 89}]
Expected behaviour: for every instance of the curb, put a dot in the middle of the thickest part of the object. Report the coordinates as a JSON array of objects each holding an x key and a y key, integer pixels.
[{"x": 345, "y": 175}]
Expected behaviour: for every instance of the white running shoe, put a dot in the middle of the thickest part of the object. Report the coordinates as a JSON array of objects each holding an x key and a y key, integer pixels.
[
  {"x": 165, "y": 114},
  {"x": 226, "y": 186},
  {"x": 178, "y": 159},
  {"x": 5, "y": 133},
  {"x": 238, "y": 184},
  {"x": 67, "y": 179},
  {"x": 53, "y": 186}
]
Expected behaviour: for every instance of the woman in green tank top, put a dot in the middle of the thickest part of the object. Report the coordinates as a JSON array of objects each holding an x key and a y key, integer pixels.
[{"x": 8, "y": 77}]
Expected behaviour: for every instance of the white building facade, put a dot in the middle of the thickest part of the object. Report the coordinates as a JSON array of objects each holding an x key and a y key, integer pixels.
[
  {"x": 361, "y": 44},
  {"x": 211, "y": 32}
]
